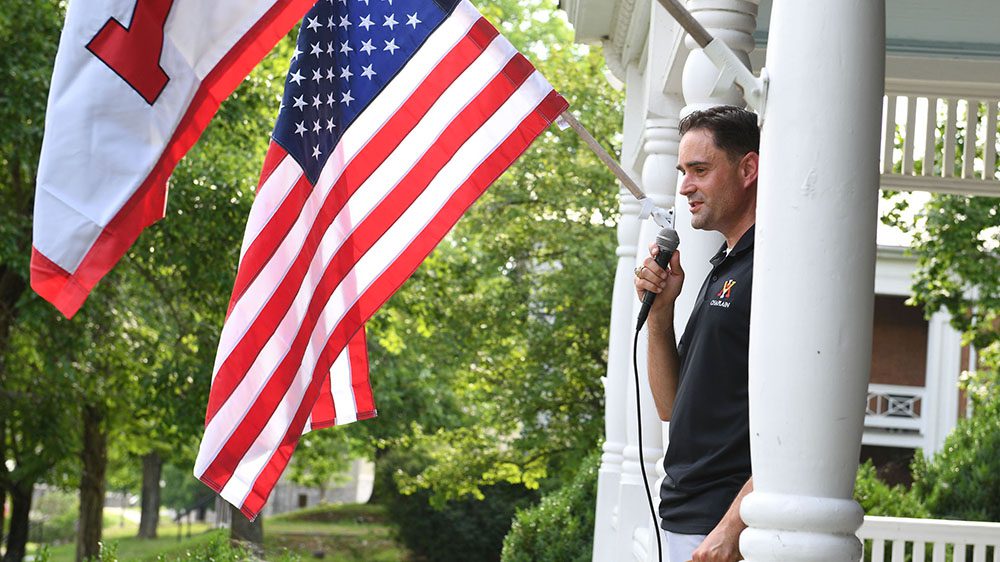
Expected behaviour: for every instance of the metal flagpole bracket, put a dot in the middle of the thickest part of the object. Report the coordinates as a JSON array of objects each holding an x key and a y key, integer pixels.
[
  {"x": 664, "y": 218},
  {"x": 731, "y": 69}
]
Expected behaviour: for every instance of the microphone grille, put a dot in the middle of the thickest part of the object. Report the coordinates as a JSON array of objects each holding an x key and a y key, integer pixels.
[{"x": 668, "y": 239}]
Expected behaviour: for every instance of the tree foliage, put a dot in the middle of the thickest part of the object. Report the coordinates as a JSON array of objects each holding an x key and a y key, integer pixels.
[
  {"x": 956, "y": 240},
  {"x": 487, "y": 364},
  {"x": 488, "y": 361}
]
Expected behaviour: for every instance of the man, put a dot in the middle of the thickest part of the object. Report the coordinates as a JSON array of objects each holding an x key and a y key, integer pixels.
[{"x": 700, "y": 383}]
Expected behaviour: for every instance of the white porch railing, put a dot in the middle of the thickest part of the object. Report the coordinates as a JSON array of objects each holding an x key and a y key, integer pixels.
[
  {"x": 894, "y": 415},
  {"x": 896, "y": 539},
  {"x": 952, "y": 128}
]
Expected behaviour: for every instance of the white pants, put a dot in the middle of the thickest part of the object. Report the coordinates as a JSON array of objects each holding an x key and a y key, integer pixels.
[{"x": 678, "y": 548}]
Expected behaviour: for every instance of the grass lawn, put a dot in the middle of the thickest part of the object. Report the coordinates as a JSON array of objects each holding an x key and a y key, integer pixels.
[{"x": 345, "y": 533}]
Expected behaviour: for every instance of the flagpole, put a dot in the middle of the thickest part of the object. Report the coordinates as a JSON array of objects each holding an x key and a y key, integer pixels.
[
  {"x": 608, "y": 160},
  {"x": 662, "y": 217}
]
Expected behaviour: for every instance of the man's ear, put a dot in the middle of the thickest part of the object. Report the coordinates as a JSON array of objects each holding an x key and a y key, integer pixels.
[{"x": 748, "y": 168}]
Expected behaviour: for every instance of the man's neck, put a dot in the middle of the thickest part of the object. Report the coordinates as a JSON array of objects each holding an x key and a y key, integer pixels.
[{"x": 734, "y": 234}]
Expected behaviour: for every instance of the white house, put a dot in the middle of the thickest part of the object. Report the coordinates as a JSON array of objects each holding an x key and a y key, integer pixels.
[{"x": 844, "y": 80}]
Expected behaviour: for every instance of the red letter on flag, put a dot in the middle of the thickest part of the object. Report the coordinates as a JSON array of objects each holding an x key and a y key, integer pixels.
[{"x": 134, "y": 52}]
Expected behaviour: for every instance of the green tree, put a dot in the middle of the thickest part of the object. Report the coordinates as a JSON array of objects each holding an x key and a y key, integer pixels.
[
  {"x": 130, "y": 366},
  {"x": 956, "y": 240},
  {"x": 30, "y": 441},
  {"x": 507, "y": 320}
]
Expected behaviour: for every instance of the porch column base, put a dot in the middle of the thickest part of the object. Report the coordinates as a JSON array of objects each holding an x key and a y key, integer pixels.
[{"x": 787, "y": 528}]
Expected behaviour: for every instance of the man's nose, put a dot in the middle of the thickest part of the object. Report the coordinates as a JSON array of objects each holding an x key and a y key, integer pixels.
[{"x": 686, "y": 187}]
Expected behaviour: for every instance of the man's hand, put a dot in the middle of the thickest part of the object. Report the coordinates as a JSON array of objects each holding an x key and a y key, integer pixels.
[
  {"x": 721, "y": 545},
  {"x": 664, "y": 282}
]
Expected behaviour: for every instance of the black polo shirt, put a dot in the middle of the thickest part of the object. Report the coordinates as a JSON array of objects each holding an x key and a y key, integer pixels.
[{"x": 708, "y": 456}]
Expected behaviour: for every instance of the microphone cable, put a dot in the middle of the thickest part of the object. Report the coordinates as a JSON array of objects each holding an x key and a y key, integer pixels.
[{"x": 642, "y": 457}]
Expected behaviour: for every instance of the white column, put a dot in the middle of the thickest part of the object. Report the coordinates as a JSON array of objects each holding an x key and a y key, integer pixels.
[
  {"x": 944, "y": 361},
  {"x": 659, "y": 174},
  {"x": 811, "y": 320},
  {"x": 734, "y": 22},
  {"x": 616, "y": 384},
  {"x": 619, "y": 411}
]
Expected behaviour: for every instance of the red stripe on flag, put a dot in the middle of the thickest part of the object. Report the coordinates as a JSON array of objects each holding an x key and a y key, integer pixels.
[
  {"x": 244, "y": 353},
  {"x": 358, "y": 242},
  {"x": 324, "y": 413},
  {"x": 357, "y": 350},
  {"x": 405, "y": 265},
  {"x": 275, "y": 154},
  {"x": 360, "y": 381},
  {"x": 67, "y": 291},
  {"x": 278, "y": 227}
]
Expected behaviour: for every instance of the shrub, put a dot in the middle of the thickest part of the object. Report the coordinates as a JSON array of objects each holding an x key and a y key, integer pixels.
[
  {"x": 53, "y": 517},
  {"x": 464, "y": 529},
  {"x": 878, "y": 498},
  {"x": 561, "y": 527},
  {"x": 962, "y": 481}
]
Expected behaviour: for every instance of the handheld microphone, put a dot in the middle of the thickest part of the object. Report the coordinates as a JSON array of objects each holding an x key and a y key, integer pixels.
[{"x": 667, "y": 240}]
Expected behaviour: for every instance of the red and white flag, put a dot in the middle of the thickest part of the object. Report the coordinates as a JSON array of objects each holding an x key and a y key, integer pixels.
[
  {"x": 134, "y": 85},
  {"x": 396, "y": 117}
]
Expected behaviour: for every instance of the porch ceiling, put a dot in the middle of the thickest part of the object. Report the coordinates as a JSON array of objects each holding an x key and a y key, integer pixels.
[{"x": 958, "y": 28}]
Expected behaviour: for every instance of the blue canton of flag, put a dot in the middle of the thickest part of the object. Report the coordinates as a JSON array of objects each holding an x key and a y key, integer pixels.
[{"x": 347, "y": 51}]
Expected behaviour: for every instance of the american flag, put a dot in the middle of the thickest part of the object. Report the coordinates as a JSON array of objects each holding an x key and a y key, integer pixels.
[{"x": 396, "y": 116}]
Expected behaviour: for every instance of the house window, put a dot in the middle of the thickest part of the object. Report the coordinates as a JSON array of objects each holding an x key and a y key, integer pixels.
[{"x": 303, "y": 501}]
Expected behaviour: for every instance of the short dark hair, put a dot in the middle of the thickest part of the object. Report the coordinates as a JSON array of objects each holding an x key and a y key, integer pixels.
[{"x": 734, "y": 130}]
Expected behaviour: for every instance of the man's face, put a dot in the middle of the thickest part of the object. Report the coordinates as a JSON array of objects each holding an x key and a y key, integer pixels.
[{"x": 712, "y": 182}]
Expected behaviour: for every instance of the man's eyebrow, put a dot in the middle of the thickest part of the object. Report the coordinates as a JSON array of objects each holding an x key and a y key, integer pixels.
[{"x": 691, "y": 165}]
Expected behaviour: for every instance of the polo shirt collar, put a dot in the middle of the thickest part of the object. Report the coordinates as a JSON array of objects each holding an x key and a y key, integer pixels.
[{"x": 745, "y": 243}]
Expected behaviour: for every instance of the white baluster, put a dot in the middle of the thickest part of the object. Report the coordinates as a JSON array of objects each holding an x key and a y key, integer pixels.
[
  {"x": 889, "y": 133},
  {"x": 930, "y": 140},
  {"x": 949, "y": 157},
  {"x": 990, "y": 154},
  {"x": 909, "y": 139},
  {"x": 969, "y": 155}
]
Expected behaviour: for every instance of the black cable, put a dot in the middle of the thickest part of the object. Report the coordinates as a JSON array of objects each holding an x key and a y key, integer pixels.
[{"x": 642, "y": 457}]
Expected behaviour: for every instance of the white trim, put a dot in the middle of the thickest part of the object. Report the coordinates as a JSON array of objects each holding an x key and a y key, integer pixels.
[{"x": 894, "y": 271}]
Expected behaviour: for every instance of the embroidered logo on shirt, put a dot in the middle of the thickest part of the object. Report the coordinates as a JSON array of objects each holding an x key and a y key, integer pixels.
[
  {"x": 727, "y": 289},
  {"x": 725, "y": 292}
]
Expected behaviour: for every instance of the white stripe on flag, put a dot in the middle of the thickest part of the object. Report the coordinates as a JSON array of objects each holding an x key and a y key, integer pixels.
[
  {"x": 269, "y": 197},
  {"x": 343, "y": 391}
]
